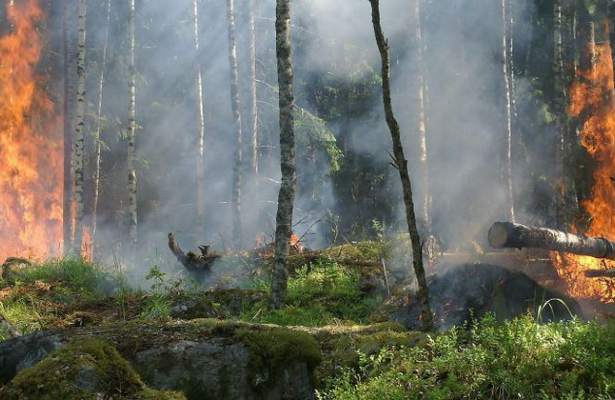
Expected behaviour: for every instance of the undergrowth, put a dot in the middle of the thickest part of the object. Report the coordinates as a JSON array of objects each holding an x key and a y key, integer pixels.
[
  {"x": 318, "y": 294},
  {"x": 519, "y": 359}
]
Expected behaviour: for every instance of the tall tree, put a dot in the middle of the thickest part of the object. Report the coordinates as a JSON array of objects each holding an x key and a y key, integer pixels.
[
  {"x": 200, "y": 111},
  {"x": 402, "y": 166},
  {"x": 67, "y": 208},
  {"x": 78, "y": 139},
  {"x": 286, "y": 197},
  {"x": 98, "y": 132},
  {"x": 236, "y": 108},
  {"x": 253, "y": 96},
  {"x": 508, "y": 173},
  {"x": 422, "y": 120},
  {"x": 132, "y": 133}
]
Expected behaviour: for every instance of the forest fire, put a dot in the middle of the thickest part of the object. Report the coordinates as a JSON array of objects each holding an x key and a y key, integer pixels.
[
  {"x": 31, "y": 150},
  {"x": 591, "y": 98}
]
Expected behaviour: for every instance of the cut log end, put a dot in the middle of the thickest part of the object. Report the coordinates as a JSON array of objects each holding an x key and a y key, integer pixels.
[{"x": 499, "y": 234}]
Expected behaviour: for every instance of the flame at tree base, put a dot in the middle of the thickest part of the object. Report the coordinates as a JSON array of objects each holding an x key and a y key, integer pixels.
[
  {"x": 31, "y": 185},
  {"x": 592, "y": 101}
]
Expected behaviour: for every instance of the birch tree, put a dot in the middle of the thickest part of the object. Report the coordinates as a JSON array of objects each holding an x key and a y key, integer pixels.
[
  {"x": 402, "y": 166},
  {"x": 98, "y": 132},
  {"x": 132, "y": 133},
  {"x": 422, "y": 119},
  {"x": 236, "y": 108},
  {"x": 286, "y": 196},
  {"x": 253, "y": 96},
  {"x": 508, "y": 173},
  {"x": 78, "y": 138},
  {"x": 200, "y": 111},
  {"x": 67, "y": 209}
]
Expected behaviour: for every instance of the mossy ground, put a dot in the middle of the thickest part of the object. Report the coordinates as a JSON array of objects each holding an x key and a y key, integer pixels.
[{"x": 330, "y": 322}]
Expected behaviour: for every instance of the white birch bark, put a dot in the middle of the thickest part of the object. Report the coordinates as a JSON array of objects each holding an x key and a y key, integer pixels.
[{"x": 79, "y": 124}]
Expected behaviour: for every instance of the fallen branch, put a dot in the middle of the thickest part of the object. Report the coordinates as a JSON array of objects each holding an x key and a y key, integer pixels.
[{"x": 191, "y": 261}]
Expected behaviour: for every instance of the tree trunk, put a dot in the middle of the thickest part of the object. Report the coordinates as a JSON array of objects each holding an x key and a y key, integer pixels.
[
  {"x": 98, "y": 133},
  {"x": 422, "y": 120},
  {"x": 78, "y": 139},
  {"x": 402, "y": 167},
  {"x": 236, "y": 108},
  {"x": 508, "y": 175},
  {"x": 200, "y": 109},
  {"x": 586, "y": 45},
  {"x": 132, "y": 133},
  {"x": 559, "y": 95},
  {"x": 253, "y": 96},
  {"x": 511, "y": 235},
  {"x": 611, "y": 22},
  {"x": 286, "y": 196},
  {"x": 67, "y": 208}
]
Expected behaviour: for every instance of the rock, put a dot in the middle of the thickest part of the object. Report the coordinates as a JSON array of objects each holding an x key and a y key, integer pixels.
[
  {"x": 461, "y": 293},
  {"x": 84, "y": 369},
  {"x": 204, "y": 359}
]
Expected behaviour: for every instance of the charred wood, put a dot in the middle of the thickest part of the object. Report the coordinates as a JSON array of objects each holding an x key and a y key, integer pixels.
[
  {"x": 191, "y": 261},
  {"x": 510, "y": 235}
]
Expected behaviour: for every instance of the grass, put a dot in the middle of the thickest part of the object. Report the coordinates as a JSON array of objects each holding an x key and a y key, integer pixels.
[
  {"x": 519, "y": 359},
  {"x": 38, "y": 297},
  {"x": 319, "y": 294}
]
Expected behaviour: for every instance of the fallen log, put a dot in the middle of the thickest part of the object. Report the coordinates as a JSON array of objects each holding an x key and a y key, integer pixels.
[
  {"x": 192, "y": 261},
  {"x": 510, "y": 235}
]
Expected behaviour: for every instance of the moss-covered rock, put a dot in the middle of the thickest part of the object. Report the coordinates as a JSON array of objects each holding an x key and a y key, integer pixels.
[
  {"x": 84, "y": 369},
  {"x": 205, "y": 359}
]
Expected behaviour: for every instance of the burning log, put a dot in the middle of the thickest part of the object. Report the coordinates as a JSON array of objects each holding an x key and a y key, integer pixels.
[
  {"x": 191, "y": 261},
  {"x": 510, "y": 235}
]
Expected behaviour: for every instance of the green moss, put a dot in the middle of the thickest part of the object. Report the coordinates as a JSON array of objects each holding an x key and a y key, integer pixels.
[
  {"x": 272, "y": 348},
  {"x": 83, "y": 370}
]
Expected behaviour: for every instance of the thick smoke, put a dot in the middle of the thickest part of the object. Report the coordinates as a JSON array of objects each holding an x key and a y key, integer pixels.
[{"x": 333, "y": 43}]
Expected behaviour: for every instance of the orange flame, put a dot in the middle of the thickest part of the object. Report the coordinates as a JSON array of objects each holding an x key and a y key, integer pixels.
[
  {"x": 30, "y": 149},
  {"x": 591, "y": 98}
]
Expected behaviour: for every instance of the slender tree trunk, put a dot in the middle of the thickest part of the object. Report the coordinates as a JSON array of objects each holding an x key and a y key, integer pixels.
[
  {"x": 78, "y": 139},
  {"x": 286, "y": 196},
  {"x": 253, "y": 96},
  {"x": 513, "y": 75},
  {"x": 67, "y": 208},
  {"x": 559, "y": 94},
  {"x": 98, "y": 133},
  {"x": 236, "y": 107},
  {"x": 402, "y": 166},
  {"x": 422, "y": 121},
  {"x": 508, "y": 175},
  {"x": 611, "y": 22},
  {"x": 200, "y": 109},
  {"x": 132, "y": 133}
]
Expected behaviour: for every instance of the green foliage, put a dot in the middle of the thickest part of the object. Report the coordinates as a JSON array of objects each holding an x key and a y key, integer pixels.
[
  {"x": 88, "y": 369},
  {"x": 312, "y": 132},
  {"x": 76, "y": 277},
  {"x": 318, "y": 294},
  {"x": 514, "y": 360}
]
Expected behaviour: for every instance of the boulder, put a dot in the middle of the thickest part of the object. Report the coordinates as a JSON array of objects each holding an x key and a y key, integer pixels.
[
  {"x": 461, "y": 293},
  {"x": 203, "y": 359}
]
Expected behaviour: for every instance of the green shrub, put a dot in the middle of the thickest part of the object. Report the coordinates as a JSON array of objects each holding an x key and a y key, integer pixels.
[
  {"x": 514, "y": 360},
  {"x": 318, "y": 294}
]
